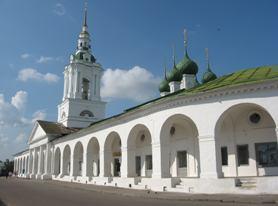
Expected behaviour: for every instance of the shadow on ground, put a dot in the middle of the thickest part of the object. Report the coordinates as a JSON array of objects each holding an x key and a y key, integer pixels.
[{"x": 2, "y": 203}]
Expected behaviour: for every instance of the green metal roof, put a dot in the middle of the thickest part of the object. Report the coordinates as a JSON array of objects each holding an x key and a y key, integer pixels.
[{"x": 242, "y": 77}]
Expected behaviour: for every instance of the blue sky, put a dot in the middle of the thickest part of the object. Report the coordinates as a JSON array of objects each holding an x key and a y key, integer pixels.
[{"x": 130, "y": 38}]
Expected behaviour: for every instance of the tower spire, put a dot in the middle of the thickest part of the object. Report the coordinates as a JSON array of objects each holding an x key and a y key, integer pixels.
[
  {"x": 185, "y": 41},
  {"x": 165, "y": 71},
  {"x": 174, "y": 56},
  {"x": 207, "y": 58},
  {"x": 85, "y": 14}
]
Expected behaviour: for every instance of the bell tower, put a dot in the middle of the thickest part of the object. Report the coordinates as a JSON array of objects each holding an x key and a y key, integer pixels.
[{"x": 81, "y": 104}]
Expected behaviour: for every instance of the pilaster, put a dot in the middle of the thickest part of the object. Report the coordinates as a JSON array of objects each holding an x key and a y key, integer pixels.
[{"x": 208, "y": 157}]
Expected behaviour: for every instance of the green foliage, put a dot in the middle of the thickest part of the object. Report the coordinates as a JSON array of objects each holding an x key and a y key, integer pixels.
[{"x": 6, "y": 166}]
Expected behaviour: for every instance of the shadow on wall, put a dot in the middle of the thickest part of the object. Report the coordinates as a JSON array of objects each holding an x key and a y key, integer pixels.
[{"x": 2, "y": 203}]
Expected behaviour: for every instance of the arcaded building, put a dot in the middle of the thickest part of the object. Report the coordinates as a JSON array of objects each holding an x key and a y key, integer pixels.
[{"x": 217, "y": 136}]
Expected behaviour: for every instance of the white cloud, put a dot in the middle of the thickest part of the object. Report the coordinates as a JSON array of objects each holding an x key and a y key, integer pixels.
[
  {"x": 44, "y": 59},
  {"x": 25, "y": 56},
  {"x": 20, "y": 138},
  {"x": 32, "y": 74},
  {"x": 59, "y": 9},
  {"x": 137, "y": 84},
  {"x": 39, "y": 115},
  {"x": 19, "y": 100},
  {"x": 10, "y": 114},
  {"x": 3, "y": 141}
]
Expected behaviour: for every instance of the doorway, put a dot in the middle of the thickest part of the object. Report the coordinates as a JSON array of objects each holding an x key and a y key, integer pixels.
[{"x": 117, "y": 167}]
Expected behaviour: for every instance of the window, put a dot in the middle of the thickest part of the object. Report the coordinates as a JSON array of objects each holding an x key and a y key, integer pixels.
[
  {"x": 85, "y": 88},
  {"x": 242, "y": 155},
  {"x": 267, "y": 154},
  {"x": 224, "y": 155},
  {"x": 255, "y": 118},
  {"x": 149, "y": 162},
  {"x": 86, "y": 113},
  {"x": 182, "y": 159}
]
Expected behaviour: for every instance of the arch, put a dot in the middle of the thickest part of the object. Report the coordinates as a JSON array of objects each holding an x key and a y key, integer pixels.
[
  {"x": 112, "y": 155},
  {"x": 78, "y": 159},
  {"x": 86, "y": 113},
  {"x": 93, "y": 157},
  {"x": 139, "y": 144},
  {"x": 179, "y": 147},
  {"x": 246, "y": 146},
  {"x": 66, "y": 160},
  {"x": 57, "y": 161}
]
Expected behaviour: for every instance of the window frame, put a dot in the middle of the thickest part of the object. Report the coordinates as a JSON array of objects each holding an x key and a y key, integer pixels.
[
  {"x": 257, "y": 154},
  {"x": 226, "y": 162},
  {"x": 238, "y": 155}
]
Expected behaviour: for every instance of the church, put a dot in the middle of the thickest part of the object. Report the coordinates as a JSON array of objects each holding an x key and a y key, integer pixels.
[{"x": 214, "y": 136}]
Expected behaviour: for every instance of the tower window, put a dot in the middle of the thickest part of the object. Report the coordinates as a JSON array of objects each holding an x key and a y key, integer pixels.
[
  {"x": 86, "y": 113},
  {"x": 85, "y": 88},
  {"x": 81, "y": 44}
]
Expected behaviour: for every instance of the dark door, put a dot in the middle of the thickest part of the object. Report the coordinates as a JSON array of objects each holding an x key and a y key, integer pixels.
[
  {"x": 117, "y": 167},
  {"x": 138, "y": 165}
]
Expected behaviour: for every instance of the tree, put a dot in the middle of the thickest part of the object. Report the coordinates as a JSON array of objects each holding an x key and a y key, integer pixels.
[{"x": 6, "y": 166}]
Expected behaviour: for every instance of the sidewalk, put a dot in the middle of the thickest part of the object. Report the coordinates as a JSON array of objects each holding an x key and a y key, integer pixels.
[{"x": 225, "y": 198}]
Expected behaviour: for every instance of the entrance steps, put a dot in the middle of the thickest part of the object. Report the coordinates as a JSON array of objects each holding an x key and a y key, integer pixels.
[{"x": 246, "y": 183}]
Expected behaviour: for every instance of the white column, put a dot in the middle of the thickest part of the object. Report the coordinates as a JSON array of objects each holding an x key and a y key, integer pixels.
[
  {"x": 40, "y": 161},
  {"x": 34, "y": 161},
  {"x": 124, "y": 165},
  {"x": 84, "y": 164},
  {"x": 47, "y": 161},
  {"x": 71, "y": 162},
  {"x": 101, "y": 163},
  {"x": 208, "y": 157},
  {"x": 156, "y": 158}
]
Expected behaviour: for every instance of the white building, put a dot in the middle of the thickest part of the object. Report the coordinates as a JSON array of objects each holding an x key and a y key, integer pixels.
[{"x": 216, "y": 137}]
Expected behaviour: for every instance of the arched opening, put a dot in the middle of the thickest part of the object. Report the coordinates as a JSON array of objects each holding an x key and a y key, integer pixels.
[
  {"x": 93, "y": 158},
  {"x": 85, "y": 88},
  {"x": 112, "y": 155},
  {"x": 23, "y": 166},
  {"x": 78, "y": 159},
  {"x": 86, "y": 113},
  {"x": 139, "y": 146},
  {"x": 27, "y": 163},
  {"x": 66, "y": 160},
  {"x": 179, "y": 147},
  {"x": 57, "y": 161},
  {"x": 246, "y": 142}
]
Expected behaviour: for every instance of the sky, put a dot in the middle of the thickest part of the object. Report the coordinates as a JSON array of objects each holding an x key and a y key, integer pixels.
[{"x": 131, "y": 39}]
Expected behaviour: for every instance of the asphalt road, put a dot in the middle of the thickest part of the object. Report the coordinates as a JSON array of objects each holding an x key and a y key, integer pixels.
[{"x": 20, "y": 192}]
